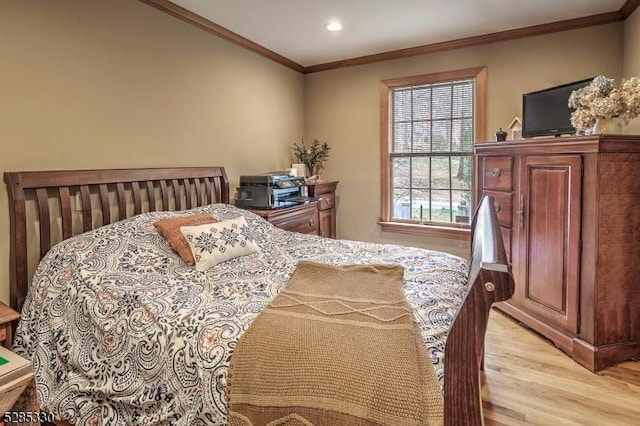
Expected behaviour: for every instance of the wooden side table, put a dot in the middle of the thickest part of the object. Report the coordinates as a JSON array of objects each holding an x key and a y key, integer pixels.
[
  {"x": 18, "y": 398},
  {"x": 7, "y": 317},
  {"x": 19, "y": 403}
]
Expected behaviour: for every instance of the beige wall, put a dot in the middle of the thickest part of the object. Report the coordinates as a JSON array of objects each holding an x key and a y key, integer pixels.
[
  {"x": 120, "y": 84},
  {"x": 90, "y": 84},
  {"x": 631, "y": 62},
  {"x": 342, "y": 108}
]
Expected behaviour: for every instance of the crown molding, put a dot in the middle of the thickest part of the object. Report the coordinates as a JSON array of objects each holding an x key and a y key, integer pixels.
[
  {"x": 569, "y": 24},
  {"x": 628, "y": 8},
  {"x": 220, "y": 31}
]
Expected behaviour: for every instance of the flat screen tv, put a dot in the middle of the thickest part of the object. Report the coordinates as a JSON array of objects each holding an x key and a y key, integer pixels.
[{"x": 546, "y": 112}]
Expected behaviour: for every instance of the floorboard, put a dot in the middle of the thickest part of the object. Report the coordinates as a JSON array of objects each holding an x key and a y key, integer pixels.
[{"x": 528, "y": 381}]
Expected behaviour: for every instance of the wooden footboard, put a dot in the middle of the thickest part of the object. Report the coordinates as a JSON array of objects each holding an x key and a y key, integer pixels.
[{"x": 490, "y": 281}]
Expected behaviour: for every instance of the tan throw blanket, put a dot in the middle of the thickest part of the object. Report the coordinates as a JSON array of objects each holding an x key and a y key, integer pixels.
[{"x": 338, "y": 346}]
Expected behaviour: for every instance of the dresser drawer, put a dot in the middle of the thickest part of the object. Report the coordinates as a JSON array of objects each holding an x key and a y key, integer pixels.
[
  {"x": 303, "y": 223},
  {"x": 328, "y": 200},
  {"x": 504, "y": 206},
  {"x": 302, "y": 218},
  {"x": 497, "y": 173}
]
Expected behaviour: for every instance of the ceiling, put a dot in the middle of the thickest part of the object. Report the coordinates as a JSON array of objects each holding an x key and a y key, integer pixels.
[{"x": 295, "y": 29}]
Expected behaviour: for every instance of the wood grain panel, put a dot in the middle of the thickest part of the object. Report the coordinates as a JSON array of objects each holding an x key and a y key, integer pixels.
[
  {"x": 198, "y": 189},
  {"x": 552, "y": 196},
  {"x": 187, "y": 193},
  {"x": 548, "y": 227},
  {"x": 619, "y": 251},
  {"x": 151, "y": 195},
  {"x": 122, "y": 201},
  {"x": 164, "y": 190},
  {"x": 207, "y": 190},
  {"x": 45, "y": 220},
  {"x": 326, "y": 221},
  {"x": 589, "y": 254},
  {"x": 177, "y": 196},
  {"x": 85, "y": 196},
  {"x": 565, "y": 145},
  {"x": 65, "y": 212},
  {"x": 506, "y": 239},
  {"x": 137, "y": 198},
  {"x": 103, "y": 192}
]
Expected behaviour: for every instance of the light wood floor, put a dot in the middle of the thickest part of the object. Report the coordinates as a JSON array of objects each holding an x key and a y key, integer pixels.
[{"x": 527, "y": 380}]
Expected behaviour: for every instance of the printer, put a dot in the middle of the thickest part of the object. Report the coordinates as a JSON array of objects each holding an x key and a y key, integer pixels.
[{"x": 270, "y": 191}]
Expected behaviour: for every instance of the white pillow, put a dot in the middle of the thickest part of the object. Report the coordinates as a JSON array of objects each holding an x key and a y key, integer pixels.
[{"x": 214, "y": 243}]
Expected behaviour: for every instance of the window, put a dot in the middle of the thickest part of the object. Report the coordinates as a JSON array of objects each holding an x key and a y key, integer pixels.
[{"x": 429, "y": 124}]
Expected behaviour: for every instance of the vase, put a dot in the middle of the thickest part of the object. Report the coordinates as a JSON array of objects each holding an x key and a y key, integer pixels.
[{"x": 607, "y": 126}]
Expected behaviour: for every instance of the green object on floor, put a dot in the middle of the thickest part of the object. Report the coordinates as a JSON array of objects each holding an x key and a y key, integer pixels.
[{"x": 3, "y": 361}]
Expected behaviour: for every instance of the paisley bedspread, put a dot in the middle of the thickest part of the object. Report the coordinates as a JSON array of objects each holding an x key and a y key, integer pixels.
[{"x": 121, "y": 331}]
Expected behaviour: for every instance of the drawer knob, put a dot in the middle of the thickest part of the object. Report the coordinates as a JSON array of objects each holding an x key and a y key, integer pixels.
[
  {"x": 312, "y": 223},
  {"x": 497, "y": 206},
  {"x": 496, "y": 172},
  {"x": 328, "y": 200}
]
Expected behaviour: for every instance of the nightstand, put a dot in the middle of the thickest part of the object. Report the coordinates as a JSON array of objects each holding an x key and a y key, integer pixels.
[
  {"x": 19, "y": 403},
  {"x": 7, "y": 317},
  {"x": 18, "y": 397},
  {"x": 302, "y": 218}
]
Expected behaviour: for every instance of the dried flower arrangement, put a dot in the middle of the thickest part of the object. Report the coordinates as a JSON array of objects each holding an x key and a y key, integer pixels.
[
  {"x": 312, "y": 156},
  {"x": 602, "y": 100}
]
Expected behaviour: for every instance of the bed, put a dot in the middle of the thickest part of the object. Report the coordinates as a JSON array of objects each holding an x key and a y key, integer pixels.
[{"x": 121, "y": 331}]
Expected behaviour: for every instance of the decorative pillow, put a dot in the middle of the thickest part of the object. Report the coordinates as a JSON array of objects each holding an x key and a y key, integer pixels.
[
  {"x": 170, "y": 230},
  {"x": 218, "y": 242}
]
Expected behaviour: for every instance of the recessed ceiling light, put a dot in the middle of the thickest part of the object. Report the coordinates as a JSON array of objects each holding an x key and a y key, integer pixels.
[{"x": 333, "y": 26}]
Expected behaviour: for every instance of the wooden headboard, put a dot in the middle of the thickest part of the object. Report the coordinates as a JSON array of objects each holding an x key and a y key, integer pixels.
[{"x": 120, "y": 193}]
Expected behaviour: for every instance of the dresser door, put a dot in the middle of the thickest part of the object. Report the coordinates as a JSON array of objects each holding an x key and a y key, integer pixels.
[{"x": 548, "y": 239}]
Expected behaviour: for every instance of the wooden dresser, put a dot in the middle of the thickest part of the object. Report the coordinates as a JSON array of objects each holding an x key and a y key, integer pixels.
[
  {"x": 570, "y": 218},
  {"x": 302, "y": 218},
  {"x": 18, "y": 398},
  {"x": 327, "y": 191}
]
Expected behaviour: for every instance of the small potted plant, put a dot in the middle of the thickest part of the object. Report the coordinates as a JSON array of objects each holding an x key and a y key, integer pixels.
[{"x": 312, "y": 156}]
